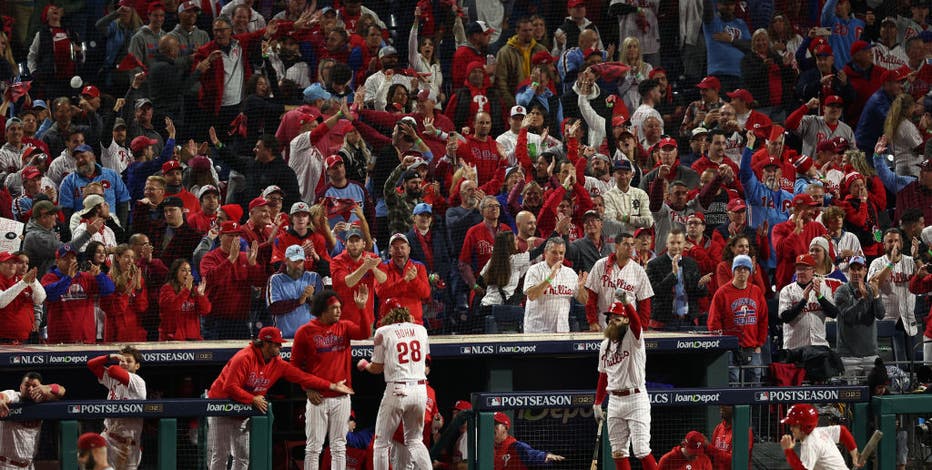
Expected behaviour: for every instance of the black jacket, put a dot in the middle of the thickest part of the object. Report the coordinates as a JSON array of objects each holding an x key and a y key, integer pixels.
[
  {"x": 443, "y": 256},
  {"x": 660, "y": 272},
  {"x": 260, "y": 176}
]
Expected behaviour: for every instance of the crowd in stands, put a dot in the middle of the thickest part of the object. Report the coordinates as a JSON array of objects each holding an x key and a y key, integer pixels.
[{"x": 195, "y": 170}]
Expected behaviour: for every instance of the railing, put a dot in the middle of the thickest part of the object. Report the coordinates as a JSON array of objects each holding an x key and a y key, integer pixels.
[{"x": 166, "y": 411}]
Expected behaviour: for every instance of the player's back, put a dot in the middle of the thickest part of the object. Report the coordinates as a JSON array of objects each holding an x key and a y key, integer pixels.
[{"x": 403, "y": 348}]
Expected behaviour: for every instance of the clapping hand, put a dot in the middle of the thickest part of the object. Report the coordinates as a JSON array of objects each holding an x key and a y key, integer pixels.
[
  {"x": 361, "y": 296},
  {"x": 410, "y": 273}
]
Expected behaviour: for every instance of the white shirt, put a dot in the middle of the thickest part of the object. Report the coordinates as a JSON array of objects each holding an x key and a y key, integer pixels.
[
  {"x": 819, "y": 450},
  {"x": 379, "y": 84},
  {"x": 18, "y": 438},
  {"x": 256, "y": 21},
  {"x": 807, "y": 329},
  {"x": 898, "y": 301},
  {"x": 307, "y": 163},
  {"x": 403, "y": 349},
  {"x": 623, "y": 364},
  {"x": 634, "y": 203},
  {"x": 61, "y": 167},
  {"x": 889, "y": 58},
  {"x": 631, "y": 278},
  {"x": 847, "y": 241},
  {"x": 115, "y": 157},
  {"x": 11, "y": 158},
  {"x": 233, "y": 72},
  {"x": 128, "y": 428},
  {"x": 550, "y": 312},
  {"x": 519, "y": 265}
]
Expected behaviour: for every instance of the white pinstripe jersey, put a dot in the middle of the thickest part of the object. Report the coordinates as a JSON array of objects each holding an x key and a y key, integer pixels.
[
  {"x": 624, "y": 363},
  {"x": 403, "y": 349}
]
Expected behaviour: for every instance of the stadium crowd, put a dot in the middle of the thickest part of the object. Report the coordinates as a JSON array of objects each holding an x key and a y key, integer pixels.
[{"x": 191, "y": 170}]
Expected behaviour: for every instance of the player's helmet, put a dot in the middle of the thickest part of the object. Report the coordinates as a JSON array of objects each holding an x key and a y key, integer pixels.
[
  {"x": 804, "y": 415},
  {"x": 617, "y": 308}
]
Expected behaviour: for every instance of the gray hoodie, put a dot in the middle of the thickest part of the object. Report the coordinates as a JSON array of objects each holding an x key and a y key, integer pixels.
[{"x": 41, "y": 243}]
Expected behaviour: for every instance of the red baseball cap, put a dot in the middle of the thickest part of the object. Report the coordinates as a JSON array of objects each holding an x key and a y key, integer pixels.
[
  {"x": 642, "y": 231},
  {"x": 91, "y": 440},
  {"x": 141, "y": 142},
  {"x": 823, "y": 50},
  {"x": 617, "y": 308},
  {"x": 804, "y": 199},
  {"x": 806, "y": 260},
  {"x": 502, "y": 418},
  {"x": 696, "y": 215},
  {"x": 666, "y": 142},
  {"x": 31, "y": 172},
  {"x": 542, "y": 57},
  {"x": 462, "y": 405},
  {"x": 271, "y": 334},
  {"x": 91, "y": 91},
  {"x": 834, "y": 100},
  {"x": 710, "y": 82},
  {"x": 156, "y": 6},
  {"x": 575, "y": 3},
  {"x": 258, "y": 202},
  {"x": 170, "y": 166},
  {"x": 392, "y": 303},
  {"x": 619, "y": 120},
  {"x": 334, "y": 159},
  {"x": 741, "y": 94},
  {"x": 736, "y": 205},
  {"x": 826, "y": 146},
  {"x": 7, "y": 256},
  {"x": 858, "y": 46},
  {"x": 896, "y": 75},
  {"x": 695, "y": 443},
  {"x": 230, "y": 228},
  {"x": 776, "y": 131}
]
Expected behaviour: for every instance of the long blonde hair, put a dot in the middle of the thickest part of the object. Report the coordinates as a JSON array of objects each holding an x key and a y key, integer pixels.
[
  {"x": 317, "y": 211},
  {"x": 8, "y": 56},
  {"x": 900, "y": 109},
  {"x": 637, "y": 63}
]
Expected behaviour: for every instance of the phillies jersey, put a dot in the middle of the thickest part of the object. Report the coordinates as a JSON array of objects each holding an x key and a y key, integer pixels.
[
  {"x": 324, "y": 350},
  {"x": 808, "y": 329},
  {"x": 819, "y": 450},
  {"x": 18, "y": 438},
  {"x": 898, "y": 301},
  {"x": 605, "y": 277},
  {"x": 402, "y": 348},
  {"x": 135, "y": 389},
  {"x": 741, "y": 313},
  {"x": 623, "y": 363}
]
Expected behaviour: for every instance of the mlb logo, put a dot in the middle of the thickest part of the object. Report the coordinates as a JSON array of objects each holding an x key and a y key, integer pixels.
[
  {"x": 762, "y": 396},
  {"x": 579, "y": 346},
  {"x": 17, "y": 360},
  {"x": 495, "y": 401},
  {"x": 74, "y": 408},
  {"x": 464, "y": 350}
]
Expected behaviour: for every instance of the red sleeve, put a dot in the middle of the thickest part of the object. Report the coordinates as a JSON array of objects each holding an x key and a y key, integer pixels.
[
  {"x": 450, "y": 109},
  {"x": 420, "y": 283},
  {"x": 635, "y": 320},
  {"x": 97, "y": 365},
  {"x": 391, "y": 284},
  {"x": 723, "y": 275},
  {"x": 920, "y": 285},
  {"x": 644, "y": 311},
  {"x": 601, "y": 391},
  {"x": 655, "y": 194},
  {"x": 494, "y": 185},
  {"x": 203, "y": 304},
  {"x": 298, "y": 348},
  {"x": 318, "y": 133},
  {"x": 307, "y": 381},
  {"x": 592, "y": 307},
  {"x": 236, "y": 377},
  {"x": 846, "y": 439},
  {"x": 793, "y": 459},
  {"x": 796, "y": 117},
  {"x": 855, "y": 216},
  {"x": 714, "y": 323},
  {"x": 547, "y": 219},
  {"x": 572, "y": 149},
  {"x": 521, "y": 153},
  {"x": 120, "y": 374},
  {"x": 141, "y": 301}
]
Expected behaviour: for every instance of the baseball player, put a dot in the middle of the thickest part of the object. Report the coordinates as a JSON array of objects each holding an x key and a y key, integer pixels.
[
  {"x": 122, "y": 434},
  {"x": 433, "y": 421},
  {"x": 249, "y": 374},
  {"x": 614, "y": 273},
  {"x": 92, "y": 451},
  {"x": 400, "y": 351},
  {"x": 818, "y": 445},
  {"x": 622, "y": 360},
  {"x": 322, "y": 347},
  {"x": 689, "y": 455},
  {"x": 512, "y": 453},
  {"x": 19, "y": 439},
  {"x": 549, "y": 286}
]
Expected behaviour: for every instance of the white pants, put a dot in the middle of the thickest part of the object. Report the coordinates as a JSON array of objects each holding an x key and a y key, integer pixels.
[
  {"x": 331, "y": 415},
  {"x": 926, "y": 349},
  {"x": 629, "y": 424},
  {"x": 122, "y": 452},
  {"x": 402, "y": 403},
  {"x": 227, "y": 437}
]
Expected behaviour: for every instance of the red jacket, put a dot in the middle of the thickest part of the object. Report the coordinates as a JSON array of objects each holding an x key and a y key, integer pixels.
[
  {"x": 70, "y": 305},
  {"x": 409, "y": 293},
  {"x": 741, "y": 313},
  {"x": 200, "y": 221},
  {"x": 123, "y": 311},
  {"x": 483, "y": 155},
  {"x": 18, "y": 315},
  {"x": 228, "y": 283},
  {"x": 181, "y": 314},
  {"x": 248, "y": 374},
  {"x": 464, "y": 55},
  {"x": 289, "y": 237},
  {"x": 340, "y": 268},
  {"x": 547, "y": 219},
  {"x": 921, "y": 285},
  {"x": 675, "y": 460},
  {"x": 212, "y": 81},
  {"x": 790, "y": 245},
  {"x": 325, "y": 351}
]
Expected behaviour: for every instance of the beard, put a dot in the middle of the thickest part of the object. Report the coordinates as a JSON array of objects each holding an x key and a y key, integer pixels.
[
  {"x": 615, "y": 333},
  {"x": 415, "y": 193},
  {"x": 772, "y": 183},
  {"x": 90, "y": 464}
]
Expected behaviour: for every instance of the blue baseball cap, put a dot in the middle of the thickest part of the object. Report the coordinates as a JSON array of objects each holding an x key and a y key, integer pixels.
[
  {"x": 422, "y": 208},
  {"x": 65, "y": 250},
  {"x": 857, "y": 260},
  {"x": 83, "y": 148},
  {"x": 39, "y": 104},
  {"x": 316, "y": 92},
  {"x": 742, "y": 261},
  {"x": 295, "y": 253},
  {"x": 624, "y": 165}
]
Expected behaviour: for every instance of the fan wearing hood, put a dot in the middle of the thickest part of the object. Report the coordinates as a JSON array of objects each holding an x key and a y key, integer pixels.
[{"x": 477, "y": 95}]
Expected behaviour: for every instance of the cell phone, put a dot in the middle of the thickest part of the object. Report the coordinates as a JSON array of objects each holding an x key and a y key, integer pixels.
[{"x": 490, "y": 59}]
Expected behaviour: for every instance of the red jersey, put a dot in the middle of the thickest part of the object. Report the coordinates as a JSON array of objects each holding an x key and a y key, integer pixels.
[
  {"x": 190, "y": 201},
  {"x": 478, "y": 244},
  {"x": 201, "y": 222},
  {"x": 409, "y": 293},
  {"x": 248, "y": 374},
  {"x": 483, "y": 155},
  {"x": 181, "y": 314},
  {"x": 18, "y": 315},
  {"x": 741, "y": 313},
  {"x": 289, "y": 237},
  {"x": 675, "y": 460},
  {"x": 227, "y": 283},
  {"x": 720, "y": 446},
  {"x": 790, "y": 245},
  {"x": 123, "y": 313},
  {"x": 324, "y": 350},
  {"x": 340, "y": 268}
]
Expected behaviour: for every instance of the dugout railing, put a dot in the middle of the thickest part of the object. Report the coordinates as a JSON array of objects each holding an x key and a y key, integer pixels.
[
  {"x": 167, "y": 412},
  {"x": 665, "y": 400}
]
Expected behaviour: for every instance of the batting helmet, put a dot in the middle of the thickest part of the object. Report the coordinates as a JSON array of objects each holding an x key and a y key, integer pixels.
[
  {"x": 804, "y": 415},
  {"x": 617, "y": 308}
]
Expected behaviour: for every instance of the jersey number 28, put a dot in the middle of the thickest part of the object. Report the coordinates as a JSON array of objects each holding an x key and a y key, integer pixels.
[{"x": 409, "y": 352}]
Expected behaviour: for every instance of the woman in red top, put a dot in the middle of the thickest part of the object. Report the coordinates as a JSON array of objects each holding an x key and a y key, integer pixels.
[
  {"x": 124, "y": 306},
  {"x": 309, "y": 230},
  {"x": 181, "y": 304},
  {"x": 738, "y": 245}
]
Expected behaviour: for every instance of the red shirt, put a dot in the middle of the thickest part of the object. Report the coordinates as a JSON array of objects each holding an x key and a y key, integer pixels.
[
  {"x": 478, "y": 244},
  {"x": 483, "y": 155},
  {"x": 289, "y": 237},
  {"x": 741, "y": 313},
  {"x": 248, "y": 374},
  {"x": 71, "y": 317},
  {"x": 181, "y": 312},
  {"x": 123, "y": 316},
  {"x": 200, "y": 221},
  {"x": 191, "y": 204},
  {"x": 340, "y": 268},
  {"x": 18, "y": 316},
  {"x": 409, "y": 293},
  {"x": 675, "y": 460},
  {"x": 227, "y": 283},
  {"x": 324, "y": 350}
]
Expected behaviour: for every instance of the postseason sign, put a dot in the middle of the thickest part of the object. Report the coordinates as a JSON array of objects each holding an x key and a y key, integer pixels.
[
  {"x": 674, "y": 397},
  {"x": 77, "y": 410}
]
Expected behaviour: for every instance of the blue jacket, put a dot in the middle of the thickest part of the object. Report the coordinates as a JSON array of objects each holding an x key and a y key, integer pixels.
[
  {"x": 763, "y": 203},
  {"x": 137, "y": 172},
  {"x": 870, "y": 126},
  {"x": 844, "y": 32}
]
